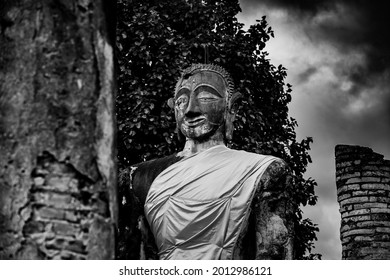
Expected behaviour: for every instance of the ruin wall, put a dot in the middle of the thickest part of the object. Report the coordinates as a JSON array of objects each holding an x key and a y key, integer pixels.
[{"x": 363, "y": 191}]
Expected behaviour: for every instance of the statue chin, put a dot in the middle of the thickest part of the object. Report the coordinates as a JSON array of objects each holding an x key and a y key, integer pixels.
[{"x": 199, "y": 133}]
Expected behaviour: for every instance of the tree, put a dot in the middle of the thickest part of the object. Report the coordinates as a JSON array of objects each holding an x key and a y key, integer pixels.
[
  {"x": 57, "y": 163},
  {"x": 156, "y": 39}
]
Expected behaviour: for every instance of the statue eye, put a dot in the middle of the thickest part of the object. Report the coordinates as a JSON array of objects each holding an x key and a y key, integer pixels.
[
  {"x": 205, "y": 96},
  {"x": 182, "y": 101}
]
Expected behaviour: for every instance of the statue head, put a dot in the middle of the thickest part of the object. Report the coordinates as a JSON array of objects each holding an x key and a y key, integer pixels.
[{"x": 203, "y": 101}]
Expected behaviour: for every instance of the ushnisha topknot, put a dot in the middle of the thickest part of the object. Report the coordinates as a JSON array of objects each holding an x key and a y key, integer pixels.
[{"x": 208, "y": 67}]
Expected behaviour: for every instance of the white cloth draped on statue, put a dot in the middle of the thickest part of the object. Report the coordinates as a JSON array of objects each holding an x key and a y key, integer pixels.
[{"x": 198, "y": 206}]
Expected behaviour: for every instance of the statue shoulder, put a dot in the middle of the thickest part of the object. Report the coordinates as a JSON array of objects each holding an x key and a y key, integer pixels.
[
  {"x": 276, "y": 174},
  {"x": 141, "y": 175},
  {"x": 273, "y": 208}
]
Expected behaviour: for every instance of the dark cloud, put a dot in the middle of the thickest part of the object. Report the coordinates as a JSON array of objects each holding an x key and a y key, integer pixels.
[
  {"x": 301, "y": 6},
  {"x": 306, "y": 74},
  {"x": 358, "y": 25},
  {"x": 351, "y": 26}
]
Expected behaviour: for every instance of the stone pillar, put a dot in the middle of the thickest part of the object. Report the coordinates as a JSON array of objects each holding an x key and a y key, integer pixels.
[{"x": 363, "y": 190}]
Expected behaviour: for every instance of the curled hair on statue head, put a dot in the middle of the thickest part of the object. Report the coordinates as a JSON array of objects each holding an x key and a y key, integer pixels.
[{"x": 199, "y": 67}]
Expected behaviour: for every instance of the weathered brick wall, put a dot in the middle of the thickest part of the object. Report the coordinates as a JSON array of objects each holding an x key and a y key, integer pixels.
[
  {"x": 57, "y": 130},
  {"x": 363, "y": 190}
]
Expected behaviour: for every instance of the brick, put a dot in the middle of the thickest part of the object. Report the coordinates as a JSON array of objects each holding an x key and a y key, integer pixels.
[
  {"x": 381, "y": 244},
  {"x": 363, "y": 239},
  {"x": 71, "y": 216},
  {"x": 381, "y": 237},
  {"x": 356, "y": 213},
  {"x": 360, "y": 193},
  {"x": 370, "y": 167},
  {"x": 49, "y": 213},
  {"x": 346, "y": 240},
  {"x": 58, "y": 183},
  {"x": 380, "y": 216},
  {"x": 358, "y": 232},
  {"x": 343, "y": 164},
  {"x": 57, "y": 200},
  {"x": 354, "y": 200},
  {"x": 378, "y": 193},
  {"x": 376, "y": 173},
  {"x": 385, "y": 168},
  {"x": 341, "y": 171},
  {"x": 375, "y": 162},
  {"x": 348, "y": 188},
  {"x": 365, "y": 224},
  {"x": 349, "y": 247},
  {"x": 380, "y": 199},
  {"x": 382, "y": 230},
  {"x": 375, "y": 186},
  {"x": 353, "y": 181},
  {"x": 65, "y": 228},
  {"x": 380, "y": 210},
  {"x": 39, "y": 181},
  {"x": 346, "y": 208},
  {"x": 343, "y": 196},
  {"x": 350, "y": 175},
  {"x": 346, "y": 228},
  {"x": 356, "y": 218},
  {"x": 372, "y": 224},
  {"x": 370, "y": 179},
  {"x": 358, "y": 199},
  {"x": 370, "y": 205},
  {"x": 372, "y": 251}
]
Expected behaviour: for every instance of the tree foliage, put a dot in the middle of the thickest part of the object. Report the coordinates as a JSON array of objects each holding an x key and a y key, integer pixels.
[{"x": 156, "y": 39}]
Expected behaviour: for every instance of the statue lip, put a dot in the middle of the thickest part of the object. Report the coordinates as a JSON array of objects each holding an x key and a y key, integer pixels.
[{"x": 194, "y": 122}]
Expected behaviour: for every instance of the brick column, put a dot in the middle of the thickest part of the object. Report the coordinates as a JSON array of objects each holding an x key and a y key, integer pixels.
[{"x": 363, "y": 190}]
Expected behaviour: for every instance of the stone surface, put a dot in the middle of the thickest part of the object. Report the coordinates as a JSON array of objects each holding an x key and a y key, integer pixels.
[
  {"x": 57, "y": 163},
  {"x": 363, "y": 190}
]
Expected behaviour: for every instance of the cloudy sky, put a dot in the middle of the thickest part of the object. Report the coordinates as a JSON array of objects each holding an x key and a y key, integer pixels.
[{"x": 338, "y": 58}]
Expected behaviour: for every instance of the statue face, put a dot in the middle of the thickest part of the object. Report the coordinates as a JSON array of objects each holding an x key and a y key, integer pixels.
[{"x": 200, "y": 105}]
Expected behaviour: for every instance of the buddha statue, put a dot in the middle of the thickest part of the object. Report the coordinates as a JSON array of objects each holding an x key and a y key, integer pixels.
[{"x": 209, "y": 201}]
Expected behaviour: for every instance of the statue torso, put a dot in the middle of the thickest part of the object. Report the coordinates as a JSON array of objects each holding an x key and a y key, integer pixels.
[{"x": 198, "y": 206}]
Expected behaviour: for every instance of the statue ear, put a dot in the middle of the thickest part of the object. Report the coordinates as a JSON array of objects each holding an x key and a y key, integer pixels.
[
  {"x": 230, "y": 116},
  {"x": 233, "y": 99},
  {"x": 171, "y": 103},
  {"x": 229, "y": 127}
]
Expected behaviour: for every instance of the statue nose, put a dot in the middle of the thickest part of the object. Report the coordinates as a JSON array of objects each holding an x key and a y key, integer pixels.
[{"x": 192, "y": 108}]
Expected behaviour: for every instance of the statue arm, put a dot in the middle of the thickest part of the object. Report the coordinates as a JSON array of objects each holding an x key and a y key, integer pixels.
[
  {"x": 130, "y": 209},
  {"x": 135, "y": 240},
  {"x": 273, "y": 212}
]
